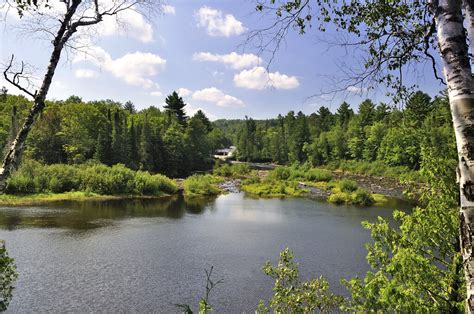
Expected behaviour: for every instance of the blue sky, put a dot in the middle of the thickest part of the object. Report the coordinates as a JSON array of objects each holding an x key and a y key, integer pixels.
[{"x": 196, "y": 47}]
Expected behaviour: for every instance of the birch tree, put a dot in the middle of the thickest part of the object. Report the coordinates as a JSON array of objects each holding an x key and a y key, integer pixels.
[
  {"x": 393, "y": 36},
  {"x": 69, "y": 24}
]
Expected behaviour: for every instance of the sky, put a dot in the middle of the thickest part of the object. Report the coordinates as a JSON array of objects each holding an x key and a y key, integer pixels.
[{"x": 198, "y": 48}]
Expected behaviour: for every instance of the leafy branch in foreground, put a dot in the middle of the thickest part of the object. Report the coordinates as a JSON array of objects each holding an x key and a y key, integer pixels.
[
  {"x": 204, "y": 305},
  {"x": 8, "y": 276},
  {"x": 293, "y": 296}
]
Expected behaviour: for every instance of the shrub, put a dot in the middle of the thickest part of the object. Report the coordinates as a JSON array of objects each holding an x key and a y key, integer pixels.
[
  {"x": 318, "y": 175},
  {"x": 346, "y": 185},
  {"x": 62, "y": 178},
  {"x": 280, "y": 173},
  {"x": 201, "y": 185},
  {"x": 362, "y": 197},
  {"x": 33, "y": 177},
  {"x": 339, "y": 198}
]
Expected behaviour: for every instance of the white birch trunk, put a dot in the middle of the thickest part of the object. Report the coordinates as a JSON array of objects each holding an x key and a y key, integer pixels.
[
  {"x": 457, "y": 70},
  {"x": 468, "y": 8}
]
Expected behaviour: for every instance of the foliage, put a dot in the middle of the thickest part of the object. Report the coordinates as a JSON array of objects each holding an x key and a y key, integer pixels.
[
  {"x": 290, "y": 295},
  {"x": 416, "y": 266},
  {"x": 73, "y": 131},
  {"x": 347, "y": 185},
  {"x": 231, "y": 170},
  {"x": 273, "y": 188},
  {"x": 8, "y": 276},
  {"x": 201, "y": 185},
  {"x": 204, "y": 305},
  {"x": 34, "y": 177}
]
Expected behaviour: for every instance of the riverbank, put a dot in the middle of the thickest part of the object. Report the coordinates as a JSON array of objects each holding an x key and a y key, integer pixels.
[{"x": 47, "y": 198}]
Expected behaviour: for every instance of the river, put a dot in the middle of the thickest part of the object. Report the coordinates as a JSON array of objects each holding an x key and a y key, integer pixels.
[{"x": 147, "y": 255}]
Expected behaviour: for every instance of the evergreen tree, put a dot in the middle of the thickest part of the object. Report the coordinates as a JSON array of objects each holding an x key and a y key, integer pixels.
[
  {"x": 175, "y": 108},
  {"x": 103, "y": 152},
  {"x": 417, "y": 109},
  {"x": 146, "y": 150},
  {"x": 344, "y": 114},
  {"x": 130, "y": 107},
  {"x": 204, "y": 119},
  {"x": 133, "y": 144},
  {"x": 118, "y": 151}
]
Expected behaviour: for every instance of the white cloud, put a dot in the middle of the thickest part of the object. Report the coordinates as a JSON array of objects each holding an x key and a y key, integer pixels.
[
  {"x": 356, "y": 90},
  {"x": 183, "y": 92},
  {"x": 169, "y": 9},
  {"x": 216, "y": 96},
  {"x": 258, "y": 78},
  {"x": 191, "y": 111},
  {"x": 133, "y": 68},
  {"x": 233, "y": 59},
  {"x": 156, "y": 94},
  {"x": 127, "y": 23},
  {"x": 85, "y": 73},
  {"x": 218, "y": 24}
]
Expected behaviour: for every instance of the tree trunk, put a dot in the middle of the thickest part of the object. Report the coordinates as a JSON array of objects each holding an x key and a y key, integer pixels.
[
  {"x": 457, "y": 70},
  {"x": 13, "y": 155}
]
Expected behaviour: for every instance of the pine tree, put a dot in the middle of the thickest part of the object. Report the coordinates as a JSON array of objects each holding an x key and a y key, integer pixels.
[
  {"x": 146, "y": 156},
  {"x": 175, "y": 108},
  {"x": 117, "y": 140},
  {"x": 103, "y": 152},
  {"x": 133, "y": 151}
]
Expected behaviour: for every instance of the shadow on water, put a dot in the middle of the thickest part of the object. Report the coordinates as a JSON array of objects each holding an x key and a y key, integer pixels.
[{"x": 86, "y": 215}]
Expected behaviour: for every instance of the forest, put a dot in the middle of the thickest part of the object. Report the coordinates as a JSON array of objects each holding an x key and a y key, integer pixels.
[{"x": 72, "y": 132}]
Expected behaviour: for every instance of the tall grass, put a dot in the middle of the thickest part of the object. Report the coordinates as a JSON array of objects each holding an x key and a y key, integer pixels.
[
  {"x": 201, "y": 185},
  {"x": 34, "y": 177}
]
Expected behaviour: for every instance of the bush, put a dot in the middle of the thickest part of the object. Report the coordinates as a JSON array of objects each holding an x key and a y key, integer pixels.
[
  {"x": 318, "y": 175},
  {"x": 280, "y": 173},
  {"x": 201, "y": 185},
  {"x": 62, "y": 178},
  {"x": 346, "y": 185},
  {"x": 33, "y": 177},
  {"x": 362, "y": 197},
  {"x": 339, "y": 198}
]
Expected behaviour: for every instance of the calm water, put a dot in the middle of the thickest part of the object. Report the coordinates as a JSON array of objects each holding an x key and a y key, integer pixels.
[{"x": 146, "y": 256}]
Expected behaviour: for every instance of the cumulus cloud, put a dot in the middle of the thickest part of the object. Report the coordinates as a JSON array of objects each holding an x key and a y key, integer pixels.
[
  {"x": 233, "y": 59},
  {"x": 259, "y": 78},
  {"x": 85, "y": 73},
  {"x": 356, "y": 90},
  {"x": 156, "y": 94},
  {"x": 218, "y": 24},
  {"x": 218, "y": 97},
  {"x": 183, "y": 92},
  {"x": 133, "y": 68},
  {"x": 126, "y": 23},
  {"x": 169, "y": 9}
]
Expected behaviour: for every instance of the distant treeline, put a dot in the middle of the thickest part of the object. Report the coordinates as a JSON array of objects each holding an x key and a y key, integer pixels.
[
  {"x": 74, "y": 131},
  {"x": 396, "y": 137}
]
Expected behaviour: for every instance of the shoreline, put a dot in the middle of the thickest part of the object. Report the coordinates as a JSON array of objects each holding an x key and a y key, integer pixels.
[{"x": 38, "y": 199}]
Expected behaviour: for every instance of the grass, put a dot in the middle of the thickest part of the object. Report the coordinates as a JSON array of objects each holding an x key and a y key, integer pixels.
[
  {"x": 201, "y": 185},
  {"x": 274, "y": 188},
  {"x": 45, "y": 198}
]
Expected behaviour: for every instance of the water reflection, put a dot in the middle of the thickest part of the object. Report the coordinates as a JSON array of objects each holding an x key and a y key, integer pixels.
[{"x": 95, "y": 214}]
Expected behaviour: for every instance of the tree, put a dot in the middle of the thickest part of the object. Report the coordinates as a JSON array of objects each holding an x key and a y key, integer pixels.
[
  {"x": 3, "y": 95},
  {"x": 130, "y": 107},
  {"x": 175, "y": 107},
  {"x": 344, "y": 114},
  {"x": 64, "y": 26},
  {"x": 418, "y": 107},
  {"x": 394, "y": 35}
]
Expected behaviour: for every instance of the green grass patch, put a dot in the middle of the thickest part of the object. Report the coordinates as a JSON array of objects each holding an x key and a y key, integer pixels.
[
  {"x": 45, "y": 198},
  {"x": 274, "y": 188},
  {"x": 201, "y": 185}
]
